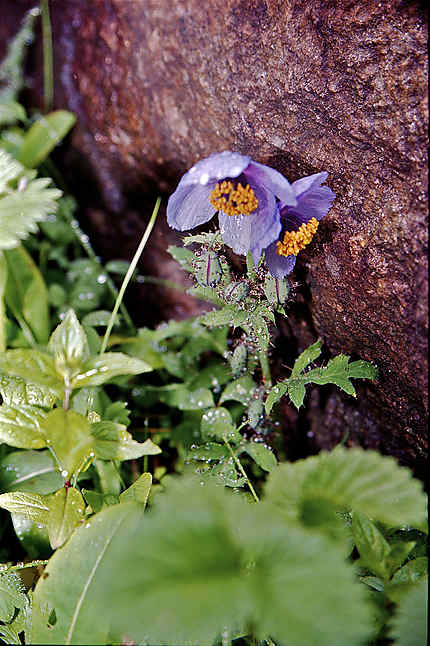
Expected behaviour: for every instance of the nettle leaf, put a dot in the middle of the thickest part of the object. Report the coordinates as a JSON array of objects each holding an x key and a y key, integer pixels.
[
  {"x": 113, "y": 442},
  {"x": 354, "y": 479},
  {"x": 79, "y": 598},
  {"x": 69, "y": 438},
  {"x": 262, "y": 455},
  {"x": 43, "y": 136},
  {"x": 217, "y": 423},
  {"x": 240, "y": 390},
  {"x": 30, "y": 472},
  {"x": 15, "y": 391},
  {"x": 409, "y": 624},
  {"x": 66, "y": 513},
  {"x": 69, "y": 346},
  {"x": 34, "y": 367},
  {"x": 98, "y": 370},
  {"x": 30, "y": 505},
  {"x": 20, "y": 426},
  {"x": 139, "y": 491},
  {"x": 275, "y": 395},
  {"x": 12, "y": 595}
]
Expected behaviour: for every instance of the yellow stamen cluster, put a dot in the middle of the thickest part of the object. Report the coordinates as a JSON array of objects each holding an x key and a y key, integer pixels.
[
  {"x": 295, "y": 241},
  {"x": 231, "y": 200}
]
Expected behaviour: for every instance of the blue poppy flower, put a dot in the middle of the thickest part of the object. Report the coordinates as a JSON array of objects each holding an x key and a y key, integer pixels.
[
  {"x": 299, "y": 222},
  {"x": 247, "y": 196}
]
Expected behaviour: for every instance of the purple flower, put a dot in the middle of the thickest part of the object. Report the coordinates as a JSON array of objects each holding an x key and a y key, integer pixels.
[
  {"x": 299, "y": 222},
  {"x": 255, "y": 204},
  {"x": 246, "y": 195}
]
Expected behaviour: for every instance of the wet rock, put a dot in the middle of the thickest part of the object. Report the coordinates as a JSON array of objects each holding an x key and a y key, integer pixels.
[{"x": 302, "y": 87}]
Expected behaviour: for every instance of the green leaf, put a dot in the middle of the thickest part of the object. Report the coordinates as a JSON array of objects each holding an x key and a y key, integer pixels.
[
  {"x": 241, "y": 390},
  {"x": 43, "y": 136},
  {"x": 371, "y": 544},
  {"x": 296, "y": 392},
  {"x": 275, "y": 394},
  {"x": 138, "y": 491},
  {"x": 276, "y": 289},
  {"x": 11, "y": 595},
  {"x": 11, "y": 112},
  {"x": 26, "y": 293},
  {"x": 69, "y": 347},
  {"x": 98, "y": 370},
  {"x": 409, "y": 624},
  {"x": 225, "y": 316},
  {"x": 113, "y": 442},
  {"x": 262, "y": 455},
  {"x": 66, "y": 513},
  {"x": 10, "y": 170},
  {"x": 3, "y": 318},
  {"x": 12, "y": 66},
  {"x": 406, "y": 577},
  {"x": 15, "y": 391},
  {"x": 307, "y": 356},
  {"x": 32, "y": 536},
  {"x": 30, "y": 505},
  {"x": 21, "y": 623},
  {"x": 208, "y": 239},
  {"x": 353, "y": 479},
  {"x": 178, "y": 396},
  {"x": 217, "y": 423},
  {"x": 208, "y": 271},
  {"x": 69, "y": 438},
  {"x": 20, "y": 426},
  {"x": 34, "y": 367},
  {"x": 76, "y": 599},
  {"x": 30, "y": 472},
  {"x": 209, "y": 452}
]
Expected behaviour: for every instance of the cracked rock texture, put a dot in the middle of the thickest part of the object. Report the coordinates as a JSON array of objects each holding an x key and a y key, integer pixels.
[{"x": 301, "y": 86}]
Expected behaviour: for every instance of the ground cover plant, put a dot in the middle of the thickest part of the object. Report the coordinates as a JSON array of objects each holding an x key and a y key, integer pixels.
[{"x": 140, "y": 487}]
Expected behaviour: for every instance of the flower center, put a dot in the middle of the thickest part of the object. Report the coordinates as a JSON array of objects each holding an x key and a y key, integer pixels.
[
  {"x": 233, "y": 200},
  {"x": 295, "y": 241}
]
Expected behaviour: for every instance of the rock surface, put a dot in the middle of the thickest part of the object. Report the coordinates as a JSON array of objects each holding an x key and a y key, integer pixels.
[{"x": 302, "y": 87}]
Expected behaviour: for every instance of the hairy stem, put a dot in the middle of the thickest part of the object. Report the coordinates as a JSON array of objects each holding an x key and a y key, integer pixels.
[{"x": 241, "y": 469}]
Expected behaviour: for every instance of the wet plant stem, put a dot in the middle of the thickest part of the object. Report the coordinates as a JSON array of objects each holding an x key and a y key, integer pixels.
[
  {"x": 265, "y": 368},
  {"x": 48, "y": 64},
  {"x": 241, "y": 469},
  {"x": 25, "y": 566}
]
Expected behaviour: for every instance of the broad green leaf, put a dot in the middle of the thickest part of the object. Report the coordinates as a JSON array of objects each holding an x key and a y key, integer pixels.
[
  {"x": 406, "y": 577},
  {"x": 33, "y": 536},
  {"x": 30, "y": 472},
  {"x": 15, "y": 391},
  {"x": 399, "y": 551},
  {"x": 217, "y": 423},
  {"x": 30, "y": 505},
  {"x": 66, "y": 513},
  {"x": 240, "y": 390},
  {"x": 143, "y": 347},
  {"x": 353, "y": 479},
  {"x": 209, "y": 452},
  {"x": 371, "y": 545},
  {"x": 69, "y": 347},
  {"x": 43, "y": 136},
  {"x": 113, "y": 442},
  {"x": 77, "y": 599},
  {"x": 99, "y": 318},
  {"x": 409, "y": 624},
  {"x": 98, "y": 501},
  {"x": 11, "y": 112},
  {"x": 20, "y": 426},
  {"x": 262, "y": 455},
  {"x": 179, "y": 396},
  {"x": 11, "y": 595},
  {"x": 276, "y": 393},
  {"x": 34, "y": 367},
  {"x": 98, "y": 370},
  {"x": 68, "y": 436},
  {"x": 22, "y": 208},
  {"x": 26, "y": 293},
  {"x": 139, "y": 490}
]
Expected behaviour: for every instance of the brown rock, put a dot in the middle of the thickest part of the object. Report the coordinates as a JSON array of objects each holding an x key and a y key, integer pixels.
[{"x": 303, "y": 87}]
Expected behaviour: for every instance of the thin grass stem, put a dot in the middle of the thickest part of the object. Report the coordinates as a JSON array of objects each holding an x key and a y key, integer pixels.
[{"x": 48, "y": 59}]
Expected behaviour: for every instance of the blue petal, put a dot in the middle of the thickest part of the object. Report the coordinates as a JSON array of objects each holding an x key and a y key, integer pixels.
[
  {"x": 313, "y": 200},
  {"x": 216, "y": 167},
  {"x": 271, "y": 180},
  {"x": 189, "y": 206},
  {"x": 279, "y": 266},
  {"x": 253, "y": 232}
]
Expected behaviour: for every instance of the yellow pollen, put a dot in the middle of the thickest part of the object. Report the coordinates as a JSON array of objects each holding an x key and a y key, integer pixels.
[
  {"x": 231, "y": 200},
  {"x": 295, "y": 241}
]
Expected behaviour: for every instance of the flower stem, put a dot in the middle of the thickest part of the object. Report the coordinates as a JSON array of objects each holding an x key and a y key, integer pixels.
[
  {"x": 241, "y": 469},
  {"x": 265, "y": 368},
  {"x": 48, "y": 67}
]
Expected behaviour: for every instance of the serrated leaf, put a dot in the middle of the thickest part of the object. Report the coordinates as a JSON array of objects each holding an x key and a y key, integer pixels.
[
  {"x": 224, "y": 316},
  {"x": 406, "y": 577},
  {"x": 371, "y": 545},
  {"x": 20, "y": 426},
  {"x": 69, "y": 346},
  {"x": 30, "y": 505},
  {"x": 15, "y": 391},
  {"x": 43, "y": 136},
  {"x": 240, "y": 390},
  {"x": 296, "y": 392},
  {"x": 68, "y": 435},
  {"x": 203, "y": 238},
  {"x": 26, "y": 293},
  {"x": 275, "y": 394},
  {"x": 138, "y": 491},
  {"x": 217, "y": 423},
  {"x": 30, "y": 472},
  {"x": 11, "y": 595},
  {"x": 76, "y": 598},
  {"x": 10, "y": 170},
  {"x": 409, "y": 624},
  {"x": 98, "y": 370},
  {"x": 66, "y": 513},
  {"x": 262, "y": 455},
  {"x": 34, "y": 367},
  {"x": 113, "y": 442},
  {"x": 307, "y": 356}
]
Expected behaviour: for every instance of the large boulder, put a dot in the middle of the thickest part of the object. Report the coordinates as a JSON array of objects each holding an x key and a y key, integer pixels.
[{"x": 303, "y": 87}]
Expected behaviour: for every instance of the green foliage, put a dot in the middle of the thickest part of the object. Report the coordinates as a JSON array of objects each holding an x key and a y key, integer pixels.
[
  {"x": 43, "y": 136},
  {"x": 409, "y": 625}
]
